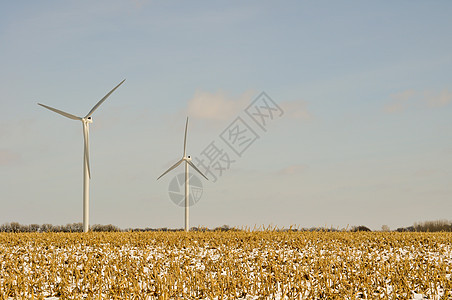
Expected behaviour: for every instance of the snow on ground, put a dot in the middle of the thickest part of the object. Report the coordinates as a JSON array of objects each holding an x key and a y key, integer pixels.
[{"x": 284, "y": 266}]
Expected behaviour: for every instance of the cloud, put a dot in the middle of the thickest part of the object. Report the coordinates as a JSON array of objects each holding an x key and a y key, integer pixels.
[
  {"x": 139, "y": 3},
  {"x": 411, "y": 98},
  {"x": 293, "y": 169},
  {"x": 438, "y": 100},
  {"x": 217, "y": 106},
  {"x": 296, "y": 110},
  {"x": 400, "y": 101},
  {"x": 8, "y": 157},
  {"x": 22, "y": 127},
  {"x": 426, "y": 172},
  {"x": 220, "y": 106}
]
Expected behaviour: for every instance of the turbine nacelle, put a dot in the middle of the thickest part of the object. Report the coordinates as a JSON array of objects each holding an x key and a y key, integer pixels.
[
  {"x": 88, "y": 120},
  {"x": 185, "y": 158}
]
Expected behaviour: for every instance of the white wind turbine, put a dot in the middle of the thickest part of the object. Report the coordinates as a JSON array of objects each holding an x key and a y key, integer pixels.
[
  {"x": 86, "y": 120},
  {"x": 187, "y": 160}
]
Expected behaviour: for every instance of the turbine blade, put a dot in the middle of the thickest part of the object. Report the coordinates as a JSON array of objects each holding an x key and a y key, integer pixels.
[
  {"x": 185, "y": 138},
  {"x": 173, "y": 167},
  {"x": 86, "y": 151},
  {"x": 102, "y": 100},
  {"x": 194, "y": 167},
  {"x": 67, "y": 115}
]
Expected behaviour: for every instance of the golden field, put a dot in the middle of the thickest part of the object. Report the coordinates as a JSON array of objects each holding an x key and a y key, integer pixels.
[{"x": 226, "y": 265}]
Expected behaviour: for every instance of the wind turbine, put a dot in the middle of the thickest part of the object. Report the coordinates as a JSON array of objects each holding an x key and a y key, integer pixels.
[
  {"x": 187, "y": 160},
  {"x": 86, "y": 120}
]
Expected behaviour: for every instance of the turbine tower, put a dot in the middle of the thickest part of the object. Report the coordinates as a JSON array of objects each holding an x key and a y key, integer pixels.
[
  {"x": 187, "y": 160},
  {"x": 86, "y": 120}
]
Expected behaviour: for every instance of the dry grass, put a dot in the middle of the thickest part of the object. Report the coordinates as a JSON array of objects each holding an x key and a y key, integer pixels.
[{"x": 226, "y": 265}]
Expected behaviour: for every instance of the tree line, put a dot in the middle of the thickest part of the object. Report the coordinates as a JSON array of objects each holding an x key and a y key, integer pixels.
[
  {"x": 74, "y": 227},
  {"x": 427, "y": 226}
]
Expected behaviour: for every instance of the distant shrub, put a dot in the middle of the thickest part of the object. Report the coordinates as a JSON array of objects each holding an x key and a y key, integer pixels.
[
  {"x": 360, "y": 228},
  {"x": 105, "y": 228},
  {"x": 433, "y": 226},
  {"x": 223, "y": 228},
  {"x": 46, "y": 228},
  {"x": 385, "y": 228}
]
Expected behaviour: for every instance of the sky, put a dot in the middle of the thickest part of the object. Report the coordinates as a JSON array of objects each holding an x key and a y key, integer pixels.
[{"x": 325, "y": 113}]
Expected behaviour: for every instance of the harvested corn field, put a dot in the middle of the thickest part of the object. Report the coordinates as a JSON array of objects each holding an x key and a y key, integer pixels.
[{"x": 226, "y": 265}]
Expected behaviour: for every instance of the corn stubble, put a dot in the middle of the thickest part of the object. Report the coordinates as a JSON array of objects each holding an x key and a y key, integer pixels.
[{"x": 226, "y": 265}]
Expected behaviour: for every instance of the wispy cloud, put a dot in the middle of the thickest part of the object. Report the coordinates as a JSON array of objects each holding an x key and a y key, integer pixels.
[
  {"x": 426, "y": 172},
  {"x": 293, "y": 169},
  {"x": 411, "y": 98},
  {"x": 217, "y": 106},
  {"x": 296, "y": 109},
  {"x": 8, "y": 157},
  {"x": 400, "y": 101},
  {"x": 22, "y": 127},
  {"x": 438, "y": 100},
  {"x": 139, "y": 3},
  {"x": 221, "y": 106}
]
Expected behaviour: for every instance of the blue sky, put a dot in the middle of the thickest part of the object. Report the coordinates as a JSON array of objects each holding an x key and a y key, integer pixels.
[{"x": 365, "y": 87}]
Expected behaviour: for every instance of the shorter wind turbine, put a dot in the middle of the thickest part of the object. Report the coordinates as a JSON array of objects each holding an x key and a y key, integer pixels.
[
  {"x": 187, "y": 160},
  {"x": 86, "y": 120}
]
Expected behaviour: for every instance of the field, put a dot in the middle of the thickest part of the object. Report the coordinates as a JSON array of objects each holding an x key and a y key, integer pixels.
[{"x": 226, "y": 265}]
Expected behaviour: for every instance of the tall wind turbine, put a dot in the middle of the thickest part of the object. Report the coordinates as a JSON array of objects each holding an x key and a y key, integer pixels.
[
  {"x": 86, "y": 120},
  {"x": 187, "y": 160}
]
